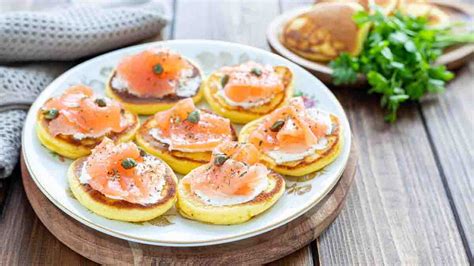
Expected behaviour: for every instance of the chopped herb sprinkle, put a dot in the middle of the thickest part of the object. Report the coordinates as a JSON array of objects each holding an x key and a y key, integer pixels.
[{"x": 50, "y": 114}]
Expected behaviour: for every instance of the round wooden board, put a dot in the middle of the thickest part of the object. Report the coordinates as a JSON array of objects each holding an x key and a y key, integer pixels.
[
  {"x": 453, "y": 58},
  {"x": 264, "y": 248}
]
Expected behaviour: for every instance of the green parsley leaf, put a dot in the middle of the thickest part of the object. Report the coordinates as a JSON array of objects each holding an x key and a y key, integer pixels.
[
  {"x": 345, "y": 69},
  {"x": 397, "y": 59}
]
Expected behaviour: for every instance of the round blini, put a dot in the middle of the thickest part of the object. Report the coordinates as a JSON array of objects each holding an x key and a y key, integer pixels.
[
  {"x": 149, "y": 106},
  {"x": 181, "y": 162},
  {"x": 120, "y": 209},
  {"x": 192, "y": 207},
  {"x": 72, "y": 148},
  {"x": 307, "y": 165},
  {"x": 242, "y": 115}
]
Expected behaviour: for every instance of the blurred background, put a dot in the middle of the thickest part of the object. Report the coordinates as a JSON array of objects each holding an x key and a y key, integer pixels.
[{"x": 15, "y": 5}]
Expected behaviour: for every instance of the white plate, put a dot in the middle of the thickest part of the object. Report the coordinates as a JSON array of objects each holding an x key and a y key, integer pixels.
[{"x": 49, "y": 171}]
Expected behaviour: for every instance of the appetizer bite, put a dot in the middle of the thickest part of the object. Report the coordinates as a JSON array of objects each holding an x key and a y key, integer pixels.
[
  {"x": 295, "y": 140},
  {"x": 230, "y": 189},
  {"x": 123, "y": 183},
  {"x": 184, "y": 136},
  {"x": 154, "y": 80},
  {"x": 75, "y": 122},
  {"x": 325, "y": 31},
  {"x": 248, "y": 91}
]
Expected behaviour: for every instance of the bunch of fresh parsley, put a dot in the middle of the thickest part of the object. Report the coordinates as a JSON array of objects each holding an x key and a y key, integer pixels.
[{"x": 397, "y": 59}]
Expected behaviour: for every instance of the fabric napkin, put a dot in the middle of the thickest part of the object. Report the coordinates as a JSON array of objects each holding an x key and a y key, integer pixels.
[{"x": 29, "y": 39}]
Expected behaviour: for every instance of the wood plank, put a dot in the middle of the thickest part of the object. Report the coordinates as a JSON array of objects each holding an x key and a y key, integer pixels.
[
  {"x": 449, "y": 118},
  {"x": 237, "y": 21},
  {"x": 303, "y": 256},
  {"x": 4, "y": 188},
  {"x": 24, "y": 239},
  {"x": 242, "y": 21},
  {"x": 286, "y": 5},
  {"x": 398, "y": 211}
]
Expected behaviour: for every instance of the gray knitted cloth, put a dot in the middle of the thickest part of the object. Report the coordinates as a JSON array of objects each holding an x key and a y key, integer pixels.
[{"x": 62, "y": 34}]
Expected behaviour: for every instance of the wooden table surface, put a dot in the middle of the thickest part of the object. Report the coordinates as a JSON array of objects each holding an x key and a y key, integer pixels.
[{"x": 412, "y": 198}]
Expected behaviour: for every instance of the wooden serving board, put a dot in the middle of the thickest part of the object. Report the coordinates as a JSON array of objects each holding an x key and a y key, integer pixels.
[
  {"x": 275, "y": 244},
  {"x": 453, "y": 58}
]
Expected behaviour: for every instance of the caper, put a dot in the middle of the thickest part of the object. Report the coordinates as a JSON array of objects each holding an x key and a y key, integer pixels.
[
  {"x": 128, "y": 163},
  {"x": 158, "y": 69},
  {"x": 100, "y": 102},
  {"x": 277, "y": 125},
  {"x": 50, "y": 114},
  {"x": 193, "y": 117},
  {"x": 219, "y": 159},
  {"x": 257, "y": 72},
  {"x": 224, "y": 80}
]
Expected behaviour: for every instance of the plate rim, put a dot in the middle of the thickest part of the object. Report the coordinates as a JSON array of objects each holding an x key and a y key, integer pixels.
[{"x": 215, "y": 241}]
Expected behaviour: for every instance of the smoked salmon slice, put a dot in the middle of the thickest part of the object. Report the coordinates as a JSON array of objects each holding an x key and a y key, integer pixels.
[
  {"x": 81, "y": 112},
  {"x": 121, "y": 172},
  {"x": 251, "y": 82},
  {"x": 243, "y": 152},
  {"x": 290, "y": 129},
  {"x": 153, "y": 73},
  {"x": 237, "y": 174},
  {"x": 184, "y": 127}
]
